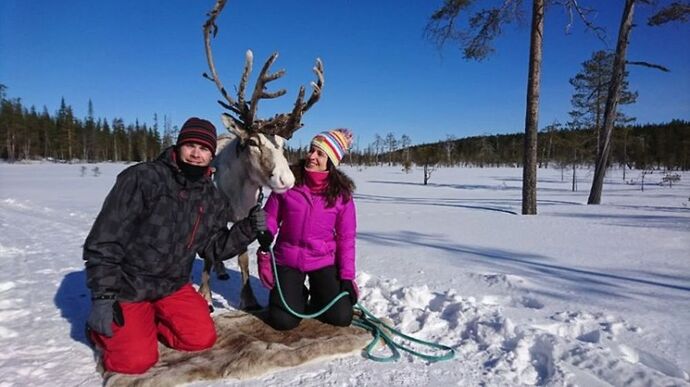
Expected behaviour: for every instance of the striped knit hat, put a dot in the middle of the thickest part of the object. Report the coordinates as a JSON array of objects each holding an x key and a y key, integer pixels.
[
  {"x": 335, "y": 143},
  {"x": 199, "y": 131}
]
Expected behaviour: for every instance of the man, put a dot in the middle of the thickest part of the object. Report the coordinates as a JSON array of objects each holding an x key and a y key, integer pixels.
[{"x": 141, "y": 248}]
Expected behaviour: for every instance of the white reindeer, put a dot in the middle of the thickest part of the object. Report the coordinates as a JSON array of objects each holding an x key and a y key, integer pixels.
[{"x": 254, "y": 158}]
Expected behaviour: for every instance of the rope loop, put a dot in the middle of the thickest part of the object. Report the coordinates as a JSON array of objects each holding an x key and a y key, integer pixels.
[{"x": 366, "y": 320}]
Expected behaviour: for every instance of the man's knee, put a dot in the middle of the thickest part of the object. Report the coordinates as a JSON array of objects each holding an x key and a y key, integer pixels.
[
  {"x": 189, "y": 337},
  {"x": 198, "y": 340},
  {"x": 132, "y": 362}
]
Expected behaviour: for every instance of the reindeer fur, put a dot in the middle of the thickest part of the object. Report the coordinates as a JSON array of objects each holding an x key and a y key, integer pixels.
[
  {"x": 243, "y": 165},
  {"x": 247, "y": 347}
]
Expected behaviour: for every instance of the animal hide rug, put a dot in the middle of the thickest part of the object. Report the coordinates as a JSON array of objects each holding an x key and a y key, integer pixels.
[{"x": 247, "y": 347}]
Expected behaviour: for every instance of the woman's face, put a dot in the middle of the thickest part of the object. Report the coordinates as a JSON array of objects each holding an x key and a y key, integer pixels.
[{"x": 316, "y": 160}]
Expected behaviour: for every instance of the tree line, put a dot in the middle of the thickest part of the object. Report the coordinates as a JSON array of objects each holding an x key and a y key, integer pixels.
[
  {"x": 27, "y": 133},
  {"x": 649, "y": 146}
]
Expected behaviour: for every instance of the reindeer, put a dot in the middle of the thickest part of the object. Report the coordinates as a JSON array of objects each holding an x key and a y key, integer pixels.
[{"x": 252, "y": 157}]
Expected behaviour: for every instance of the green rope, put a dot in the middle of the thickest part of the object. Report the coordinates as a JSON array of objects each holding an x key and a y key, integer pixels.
[
  {"x": 285, "y": 304},
  {"x": 366, "y": 320}
]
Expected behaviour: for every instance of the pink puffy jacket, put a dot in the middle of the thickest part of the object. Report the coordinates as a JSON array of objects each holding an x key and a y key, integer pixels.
[{"x": 312, "y": 236}]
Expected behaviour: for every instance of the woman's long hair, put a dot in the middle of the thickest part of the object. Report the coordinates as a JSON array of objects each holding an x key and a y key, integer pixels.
[{"x": 339, "y": 184}]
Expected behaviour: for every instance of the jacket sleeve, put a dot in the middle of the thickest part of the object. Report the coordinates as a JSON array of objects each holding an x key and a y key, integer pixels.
[
  {"x": 272, "y": 209},
  {"x": 105, "y": 245},
  {"x": 345, "y": 235},
  {"x": 226, "y": 243}
]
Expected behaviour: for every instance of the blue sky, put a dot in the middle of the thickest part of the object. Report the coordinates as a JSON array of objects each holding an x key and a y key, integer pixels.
[{"x": 137, "y": 58}]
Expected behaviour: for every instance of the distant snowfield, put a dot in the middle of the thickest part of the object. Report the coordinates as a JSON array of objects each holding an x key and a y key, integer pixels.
[{"x": 577, "y": 295}]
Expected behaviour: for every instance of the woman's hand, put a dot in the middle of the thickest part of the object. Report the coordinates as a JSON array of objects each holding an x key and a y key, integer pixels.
[
  {"x": 265, "y": 268},
  {"x": 350, "y": 286}
]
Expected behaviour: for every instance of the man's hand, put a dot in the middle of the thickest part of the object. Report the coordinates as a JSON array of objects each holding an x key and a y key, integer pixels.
[
  {"x": 102, "y": 316},
  {"x": 105, "y": 311},
  {"x": 257, "y": 218}
]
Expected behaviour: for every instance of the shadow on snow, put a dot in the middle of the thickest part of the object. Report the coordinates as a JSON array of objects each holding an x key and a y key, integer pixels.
[
  {"x": 526, "y": 261},
  {"x": 73, "y": 298}
]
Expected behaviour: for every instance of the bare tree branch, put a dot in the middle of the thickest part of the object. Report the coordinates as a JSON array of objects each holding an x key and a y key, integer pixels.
[
  {"x": 647, "y": 64},
  {"x": 572, "y": 6}
]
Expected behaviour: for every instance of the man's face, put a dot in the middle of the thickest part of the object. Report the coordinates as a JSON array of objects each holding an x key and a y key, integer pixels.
[{"x": 195, "y": 154}]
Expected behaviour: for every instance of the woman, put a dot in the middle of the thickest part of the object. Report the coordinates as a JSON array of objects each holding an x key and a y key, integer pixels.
[{"x": 316, "y": 225}]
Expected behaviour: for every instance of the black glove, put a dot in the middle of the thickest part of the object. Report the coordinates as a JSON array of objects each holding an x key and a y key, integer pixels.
[
  {"x": 265, "y": 239},
  {"x": 103, "y": 313},
  {"x": 257, "y": 219},
  {"x": 351, "y": 288}
]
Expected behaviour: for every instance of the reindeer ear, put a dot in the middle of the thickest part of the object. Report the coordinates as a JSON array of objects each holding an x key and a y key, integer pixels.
[
  {"x": 223, "y": 141},
  {"x": 233, "y": 128}
]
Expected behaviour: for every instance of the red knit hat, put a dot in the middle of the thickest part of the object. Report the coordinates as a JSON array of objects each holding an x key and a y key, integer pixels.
[{"x": 199, "y": 131}]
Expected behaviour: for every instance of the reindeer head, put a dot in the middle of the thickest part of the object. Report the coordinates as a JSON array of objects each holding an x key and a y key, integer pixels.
[
  {"x": 260, "y": 141},
  {"x": 262, "y": 156}
]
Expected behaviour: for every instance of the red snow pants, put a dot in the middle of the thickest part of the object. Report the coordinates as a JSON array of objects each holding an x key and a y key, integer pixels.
[{"x": 181, "y": 320}]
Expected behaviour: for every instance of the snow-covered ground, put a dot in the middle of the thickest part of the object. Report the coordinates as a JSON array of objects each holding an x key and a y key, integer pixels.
[{"x": 578, "y": 295}]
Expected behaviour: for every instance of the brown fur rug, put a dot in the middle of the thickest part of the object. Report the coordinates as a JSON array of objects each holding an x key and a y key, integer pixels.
[{"x": 247, "y": 348}]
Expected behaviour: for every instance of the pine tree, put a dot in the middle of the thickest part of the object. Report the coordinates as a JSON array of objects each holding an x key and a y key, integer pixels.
[
  {"x": 591, "y": 89},
  {"x": 65, "y": 129},
  {"x": 667, "y": 14}
]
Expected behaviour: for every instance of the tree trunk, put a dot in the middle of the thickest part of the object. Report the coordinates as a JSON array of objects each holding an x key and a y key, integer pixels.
[
  {"x": 548, "y": 149},
  {"x": 84, "y": 147},
  {"x": 612, "y": 101},
  {"x": 46, "y": 141},
  {"x": 574, "y": 173},
  {"x": 69, "y": 141},
  {"x": 597, "y": 121},
  {"x": 625, "y": 151},
  {"x": 10, "y": 146},
  {"x": 529, "y": 170}
]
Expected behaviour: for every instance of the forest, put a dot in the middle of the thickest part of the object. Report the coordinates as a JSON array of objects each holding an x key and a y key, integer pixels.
[
  {"x": 649, "y": 146},
  {"x": 28, "y": 134}
]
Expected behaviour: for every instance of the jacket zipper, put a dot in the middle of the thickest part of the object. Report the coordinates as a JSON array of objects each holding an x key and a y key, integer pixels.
[{"x": 196, "y": 227}]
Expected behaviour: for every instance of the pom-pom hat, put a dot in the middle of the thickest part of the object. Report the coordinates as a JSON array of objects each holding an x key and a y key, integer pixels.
[{"x": 334, "y": 143}]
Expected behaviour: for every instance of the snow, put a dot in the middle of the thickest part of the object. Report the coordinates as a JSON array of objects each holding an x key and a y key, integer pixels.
[{"x": 577, "y": 295}]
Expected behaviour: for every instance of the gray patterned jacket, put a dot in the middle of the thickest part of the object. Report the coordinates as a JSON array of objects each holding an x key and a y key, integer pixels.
[{"x": 153, "y": 223}]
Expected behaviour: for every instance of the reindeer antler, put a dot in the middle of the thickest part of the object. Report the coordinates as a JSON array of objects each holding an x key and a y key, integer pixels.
[{"x": 283, "y": 124}]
